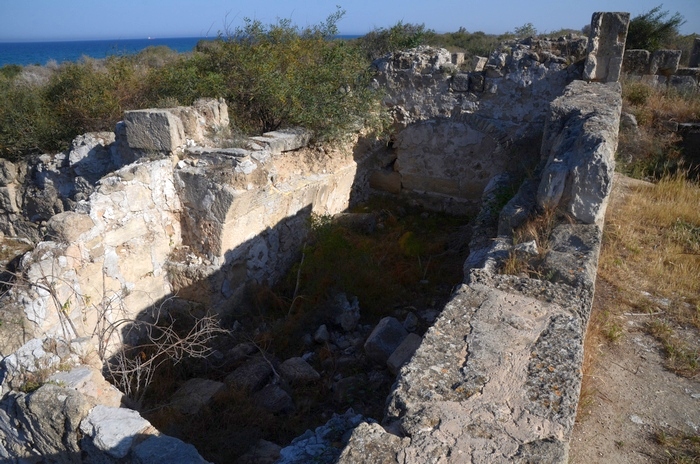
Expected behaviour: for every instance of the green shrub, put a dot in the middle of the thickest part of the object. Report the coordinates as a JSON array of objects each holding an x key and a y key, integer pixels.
[
  {"x": 27, "y": 124},
  {"x": 381, "y": 41},
  {"x": 650, "y": 30}
]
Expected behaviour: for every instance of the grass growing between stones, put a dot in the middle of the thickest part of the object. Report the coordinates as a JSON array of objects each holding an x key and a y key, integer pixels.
[{"x": 653, "y": 148}]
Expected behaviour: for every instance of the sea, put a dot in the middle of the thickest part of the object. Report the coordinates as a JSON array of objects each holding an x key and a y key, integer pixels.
[{"x": 40, "y": 53}]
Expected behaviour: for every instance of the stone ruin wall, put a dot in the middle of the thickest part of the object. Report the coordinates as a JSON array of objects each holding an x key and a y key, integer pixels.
[
  {"x": 497, "y": 377},
  {"x": 662, "y": 68}
]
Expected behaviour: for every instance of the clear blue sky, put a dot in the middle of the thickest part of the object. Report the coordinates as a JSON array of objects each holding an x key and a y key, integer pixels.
[{"x": 44, "y": 20}]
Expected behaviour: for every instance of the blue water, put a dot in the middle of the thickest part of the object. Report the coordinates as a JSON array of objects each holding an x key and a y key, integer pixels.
[
  {"x": 40, "y": 53},
  {"x": 26, "y": 53}
]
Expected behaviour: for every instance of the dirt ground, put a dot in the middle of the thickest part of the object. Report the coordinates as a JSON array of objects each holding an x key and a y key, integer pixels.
[{"x": 632, "y": 408}]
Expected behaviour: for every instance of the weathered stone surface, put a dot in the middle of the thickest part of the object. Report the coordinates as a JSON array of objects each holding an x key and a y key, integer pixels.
[
  {"x": 51, "y": 416},
  {"x": 162, "y": 449},
  {"x": 89, "y": 382},
  {"x": 8, "y": 172},
  {"x": 251, "y": 376},
  {"x": 154, "y": 130},
  {"x": 457, "y": 59},
  {"x": 606, "y": 46},
  {"x": 664, "y": 62},
  {"x": 384, "y": 339},
  {"x": 69, "y": 226},
  {"x": 297, "y": 371},
  {"x": 403, "y": 353},
  {"x": 90, "y": 155},
  {"x": 458, "y": 166},
  {"x": 478, "y": 63},
  {"x": 386, "y": 181},
  {"x": 636, "y": 62},
  {"x": 284, "y": 140},
  {"x": 370, "y": 444},
  {"x": 579, "y": 143},
  {"x": 195, "y": 393},
  {"x": 113, "y": 430}
]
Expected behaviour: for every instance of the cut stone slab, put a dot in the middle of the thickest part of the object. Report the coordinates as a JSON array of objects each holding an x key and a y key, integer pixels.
[
  {"x": 154, "y": 130},
  {"x": 194, "y": 394},
  {"x": 384, "y": 339},
  {"x": 284, "y": 140}
]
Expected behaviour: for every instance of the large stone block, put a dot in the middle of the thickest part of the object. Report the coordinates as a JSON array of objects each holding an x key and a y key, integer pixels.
[
  {"x": 579, "y": 143},
  {"x": 154, "y": 130},
  {"x": 664, "y": 62},
  {"x": 636, "y": 62},
  {"x": 606, "y": 46},
  {"x": 385, "y": 339}
]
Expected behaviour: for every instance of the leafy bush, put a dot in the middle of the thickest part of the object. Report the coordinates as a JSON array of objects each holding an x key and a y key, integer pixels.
[
  {"x": 381, "y": 41},
  {"x": 648, "y": 31}
]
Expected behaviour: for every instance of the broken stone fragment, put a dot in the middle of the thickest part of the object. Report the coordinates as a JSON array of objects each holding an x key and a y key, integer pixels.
[{"x": 384, "y": 339}]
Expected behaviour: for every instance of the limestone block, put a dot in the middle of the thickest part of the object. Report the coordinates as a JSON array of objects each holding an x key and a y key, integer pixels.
[
  {"x": 113, "y": 430},
  {"x": 606, "y": 46},
  {"x": 370, "y": 444},
  {"x": 297, "y": 371},
  {"x": 403, "y": 353},
  {"x": 274, "y": 399},
  {"x": 636, "y": 62},
  {"x": 284, "y": 140},
  {"x": 695, "y": 54},
  {"x": 194, "y": 394},
  {"x": 213, "y": 113},
  {"x": 579, "y": 143},
  {"x": 478, "y": 63},
  {"x": 154, "y": 130},
  {"x": 251, "y": 376},
  {"x": 457, "y": 58},
  {"x": 385, "y": 339},
  {"x": 664, "y": 62}
]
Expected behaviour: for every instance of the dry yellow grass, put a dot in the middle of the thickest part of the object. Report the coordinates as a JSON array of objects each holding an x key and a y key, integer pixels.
[{"x": 651, "y": 260}]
